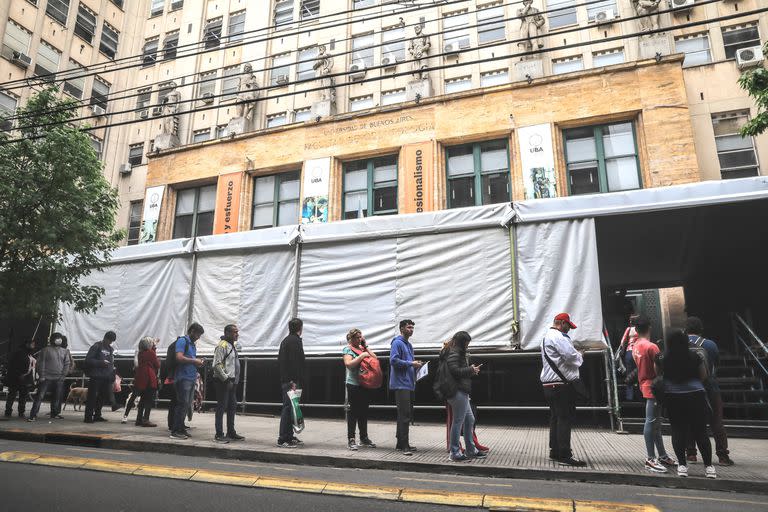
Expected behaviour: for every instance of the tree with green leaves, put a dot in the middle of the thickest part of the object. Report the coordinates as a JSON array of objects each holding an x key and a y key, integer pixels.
[
  {"x": 755, "y": 82},
  {"x": 57, "y": 212}
]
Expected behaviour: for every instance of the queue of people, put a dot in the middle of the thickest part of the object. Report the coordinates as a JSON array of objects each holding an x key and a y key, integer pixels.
[{"x": 681, "y": 378}]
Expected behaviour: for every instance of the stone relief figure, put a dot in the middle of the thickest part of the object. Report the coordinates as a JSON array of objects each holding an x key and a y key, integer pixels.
[
  {"x": 170, "y": 108},
  {"x": 648, "y": 10},
  {"x": 323, "y": 66},
  {"x": 531, "y": 27},
  {"x": 418, "y": 48},
  {"x": 247, "y": 93}
]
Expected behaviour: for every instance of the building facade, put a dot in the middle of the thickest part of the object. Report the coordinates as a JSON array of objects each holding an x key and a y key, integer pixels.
[{"x": 599, "y": 99}]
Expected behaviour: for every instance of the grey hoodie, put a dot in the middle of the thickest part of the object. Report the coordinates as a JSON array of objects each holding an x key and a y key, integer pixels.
[{"x": 54, "y": 363}]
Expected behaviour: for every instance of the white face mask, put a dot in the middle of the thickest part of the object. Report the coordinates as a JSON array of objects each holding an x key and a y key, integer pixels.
[{"x": 57, "y": 341}]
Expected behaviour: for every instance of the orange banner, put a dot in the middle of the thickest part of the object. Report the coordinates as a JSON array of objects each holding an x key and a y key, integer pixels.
[
  {"x": 227, "y": 217},
  {"x": 417, "y": 178}
]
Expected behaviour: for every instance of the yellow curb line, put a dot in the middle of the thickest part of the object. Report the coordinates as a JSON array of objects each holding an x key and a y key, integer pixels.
[{"x": 435, "y": 497}]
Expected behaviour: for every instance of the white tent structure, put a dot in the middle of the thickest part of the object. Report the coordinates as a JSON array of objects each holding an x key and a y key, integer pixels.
[{"x": 500, "y": 272}]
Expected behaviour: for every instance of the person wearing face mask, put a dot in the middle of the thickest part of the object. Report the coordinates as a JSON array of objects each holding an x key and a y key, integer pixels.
[
  {"x": 100, "y": 368},
  {"x": 20, "y": 365},
  {"x": 53, "y": 365}
]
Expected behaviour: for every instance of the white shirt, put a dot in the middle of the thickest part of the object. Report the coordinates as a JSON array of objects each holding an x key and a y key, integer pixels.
[{"x": 560, "y": 350}]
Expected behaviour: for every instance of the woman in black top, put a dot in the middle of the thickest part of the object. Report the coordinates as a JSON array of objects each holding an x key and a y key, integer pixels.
[
  {"x": 684, "y": 375},
  {"x": 462, "y": 372}
]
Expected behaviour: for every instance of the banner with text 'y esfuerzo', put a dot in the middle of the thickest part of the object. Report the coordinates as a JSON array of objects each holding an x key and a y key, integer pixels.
[{"x": 227, "y": 216}]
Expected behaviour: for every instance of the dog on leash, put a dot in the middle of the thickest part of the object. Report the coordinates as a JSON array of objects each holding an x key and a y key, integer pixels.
[{"x": 77, "y": 397}]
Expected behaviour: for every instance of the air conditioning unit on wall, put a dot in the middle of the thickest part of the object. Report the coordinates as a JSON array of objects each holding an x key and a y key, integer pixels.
[
  {"x": 357, "y": 70},
  {"x": 681, "y": 6},
  {"x": 157, "y": 111},
  {"x": 749, "y": 57},
  {"x": 126, "y": 168},
  {"x": 388, "y": 61},
  {"x": 21, "y": 60},
  {"x": 98, "y": 110},
  {"x": 451, "y": 49},
  {"x": 207, "y": 98},
  {"x": 144, "y": 114},
  {"x": 281, "y": 79},
  {"x": 605, "y": 16}
]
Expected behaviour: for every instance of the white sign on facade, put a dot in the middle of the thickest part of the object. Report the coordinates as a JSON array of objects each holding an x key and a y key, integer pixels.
[
  {"x": 538, "y": 161},
  {"x": 317, "y": 174},
  {"x": 152, "y": 203}
]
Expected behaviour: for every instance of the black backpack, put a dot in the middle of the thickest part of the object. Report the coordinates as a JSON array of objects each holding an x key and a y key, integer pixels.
[{"x": 168, "y": 369}]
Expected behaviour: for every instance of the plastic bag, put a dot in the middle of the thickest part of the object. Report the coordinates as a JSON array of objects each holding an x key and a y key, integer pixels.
[
  {"x": 116, "y": 387},
  {"x": 294, "y": 396}
]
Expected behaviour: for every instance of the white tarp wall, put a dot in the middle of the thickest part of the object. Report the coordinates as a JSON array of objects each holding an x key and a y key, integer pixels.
[{"x": 558, "y": 272}]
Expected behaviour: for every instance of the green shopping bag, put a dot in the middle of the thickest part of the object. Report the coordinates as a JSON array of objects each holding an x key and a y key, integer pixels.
[{"x": 294, "y": 396}]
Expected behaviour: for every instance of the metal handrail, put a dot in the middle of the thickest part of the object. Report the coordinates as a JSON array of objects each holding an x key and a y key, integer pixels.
[{"x": 751, "y": 333}]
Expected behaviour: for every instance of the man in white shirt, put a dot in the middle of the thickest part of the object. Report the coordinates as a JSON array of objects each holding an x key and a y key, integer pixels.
[{"x": 561, "y": 362}]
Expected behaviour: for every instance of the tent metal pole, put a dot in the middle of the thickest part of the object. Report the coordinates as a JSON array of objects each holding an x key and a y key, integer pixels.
[
  {"x": 192, "y": 283},
  {"x": 296, "y": 272},
  {"x": 513, "y": 268},
  {"x": 244, "y": 366}
]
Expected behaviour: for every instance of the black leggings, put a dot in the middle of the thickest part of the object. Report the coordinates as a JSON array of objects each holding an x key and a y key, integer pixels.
[
  {"x": 145, "y": 405},
  {"x": 359, "y": 399},
  {"x": 688, "y": 417}
]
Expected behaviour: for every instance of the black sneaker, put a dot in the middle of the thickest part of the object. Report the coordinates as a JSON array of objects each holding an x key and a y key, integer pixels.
[
  {"x": 478, "y": 455},
  {"x": 99, "y": 418},
  {"x": 220, "y": 438},
  {"x": 179, "y": 435},
  {"x": 234, "y": 436},
  {"x": 286, "y": 444},
  {"x": 570, "y": 461},
  {"x": 367, "y": 443},
  {"x": 412, "y": 448},
  {"x": 297, "y": 441}
]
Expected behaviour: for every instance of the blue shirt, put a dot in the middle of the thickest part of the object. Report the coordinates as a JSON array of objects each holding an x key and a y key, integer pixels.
[
  {"x": 402, "y": 374},
  {"x": 713, "y": 358},
  {"x": 186, "y": 371},
  {"x": 352, "y": 373}
]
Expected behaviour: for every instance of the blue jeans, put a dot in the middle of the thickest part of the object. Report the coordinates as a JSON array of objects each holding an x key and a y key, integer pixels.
[
  {"x": 629, "y": 364},
  {"x": 42, "y": 387},
  {"x": 652, "y": 429},
  {"x": 462, "y": 418},
  {"x": 184, "y": 390}
]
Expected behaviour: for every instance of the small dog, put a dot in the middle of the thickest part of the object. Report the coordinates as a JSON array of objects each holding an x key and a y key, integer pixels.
[{"x": 76, "y": 397}]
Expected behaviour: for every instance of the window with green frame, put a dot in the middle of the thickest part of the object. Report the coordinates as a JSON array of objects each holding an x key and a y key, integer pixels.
[
  {"x": 276, "y": 200},
  {"x": 194, "y": 212},
  {"x": 370, "y": 187},
  {"x": 602, "y": 158},
  {"x": 478, "y": 174}
]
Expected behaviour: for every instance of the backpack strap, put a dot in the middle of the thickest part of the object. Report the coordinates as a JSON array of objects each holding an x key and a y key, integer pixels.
[
  {"x": 355, "y": 350},
  {"x": 699, "y": 342},
  {"x": 551, "y": 363}
]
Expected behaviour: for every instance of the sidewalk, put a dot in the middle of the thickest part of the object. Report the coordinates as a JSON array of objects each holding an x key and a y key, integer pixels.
[{"x": 516, "y": 452}]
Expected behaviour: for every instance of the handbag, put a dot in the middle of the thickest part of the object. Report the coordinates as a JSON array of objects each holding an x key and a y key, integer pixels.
[
  {"x": 577, "y": 384},
  {"x": 444, "y": 385},
  {"x": 116, "y": 387},
  {"x": 294, "y": 395}
]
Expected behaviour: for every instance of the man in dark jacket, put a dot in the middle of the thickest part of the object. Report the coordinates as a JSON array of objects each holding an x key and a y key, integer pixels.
[
  {"x": 291, "y": 361},
  {"x": 19, "y": 367},
  {"x": 100, "y": 369}
]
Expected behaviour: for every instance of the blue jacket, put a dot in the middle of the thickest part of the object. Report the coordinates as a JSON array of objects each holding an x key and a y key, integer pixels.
[
  {"x": 94, "y": 361},
  {"x": 402, "y": 374}
]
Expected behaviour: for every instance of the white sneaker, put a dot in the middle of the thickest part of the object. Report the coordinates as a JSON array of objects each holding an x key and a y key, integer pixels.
[
  {"x": 654, "y": 466},
  {"x": 710, "y": 472},
  {"x": 682, "y": 471},
  {"x": 124, "y": 420}
]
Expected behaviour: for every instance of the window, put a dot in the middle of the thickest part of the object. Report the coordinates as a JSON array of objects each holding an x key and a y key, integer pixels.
[
  {"x": 206, "y": 84},
  {"x": 607, "y": 58},
  {"x": 201, "y": 135},
  {"x": 221, "y": 131},
  {"x": 456, "y": 30},
  {"x": 236, "y": 26},
  {"x": 99, "y": 93},
  {"x": 156, "y": 8},
  {"x": 278, "y": 119},
  {"x": 601, "y": 158},
  {"x": 478, "y": 174},
  {"x": 362, "y": 49},
  {"x": 310, "y": 9},
  {"x": 494, "y": 78},
  {"x": 562, "y": 13},
  {"x": 47, "y": 62},
  {"x": 360, "y": 103},
  {"x": 17, "y": 38},
  {"x": 229, "y": 83},
  {"x": 306, "y": 61},
  {"x": 490, "y": 24},
  {"x": 359, "y": 4},
  {"x": 276, "y": 200},
  {"x": 143, "y": 98},
  {"x": 58, "y": 10},
  {"x": 593, "y": 9},
  {"x": 194, "y": 212},
  {"x": 98, "y": 146},
  {"x": 302, "y": 114},
  {"x": 458, "y": 84},
  {"x": 134, "y": 222},
  {"x": 135, "y": 154},
  {"x": 370, "y": 187},
  {"x": 75, "y": 85},
  {"x": 85, "y": 26},
  {"x": 741, "y": 36},
  {"x": 695, "y": 48},
  {"x": 281, "y": 69},
  {"x": 118, "y": 3},
  {"x": 109, "y": 38},
  {"x": 176, "y": 4},
  {"x": 392, "y": 97},
  {"x": 170, "y": 44},
  {"x": 393, "y": 46},
  {"x": 283, "y": 12},
  {"x": 149, "y": 53},
  {"x": 567, "y": 65},
  {"x": 7, "y": 108},
  {"x": 736, "y": 153},
  {"x": 212, "y": 34}
]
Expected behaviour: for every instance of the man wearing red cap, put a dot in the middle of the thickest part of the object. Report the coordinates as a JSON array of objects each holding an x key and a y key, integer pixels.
[{"x": 561, "y": 364}]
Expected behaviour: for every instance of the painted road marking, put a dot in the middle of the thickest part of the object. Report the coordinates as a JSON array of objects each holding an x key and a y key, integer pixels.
[
  {"x": 431, "y": 496},
  {"x": 100, "y": 450},
  {"x": 700, "y": 498},
  {"x": 465, "y": 482}
]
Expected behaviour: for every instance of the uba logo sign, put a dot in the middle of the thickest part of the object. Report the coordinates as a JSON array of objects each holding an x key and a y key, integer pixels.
[
  {"x": 534, "y": 143},
  {"x": 316, "y": 175}
]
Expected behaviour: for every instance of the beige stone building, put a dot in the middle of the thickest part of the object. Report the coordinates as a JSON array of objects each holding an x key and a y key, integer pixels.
[{"x": 617, "y": 118}]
